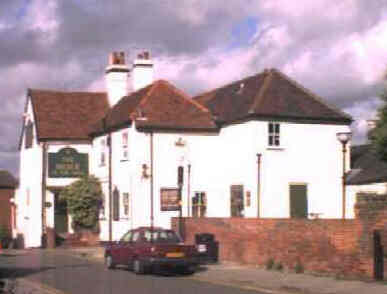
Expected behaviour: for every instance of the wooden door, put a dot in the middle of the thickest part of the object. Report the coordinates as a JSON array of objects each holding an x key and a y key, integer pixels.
[{"x": 298, "y": 201}]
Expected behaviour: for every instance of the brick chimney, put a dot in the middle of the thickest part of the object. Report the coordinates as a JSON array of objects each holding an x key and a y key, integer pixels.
[
  {"x": 142, "y": 74},
  {"x": 116, "y": 75}
]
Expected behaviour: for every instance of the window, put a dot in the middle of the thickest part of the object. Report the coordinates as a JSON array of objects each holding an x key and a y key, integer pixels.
[
  {"x": 237, "y": 206},
  {"x": 274, "y": 134},
  {"x": 125, "y": 152},
  {"x": 199, "y": 204},
  {"x": 126, "y": 237},
  {"x": 102, "y": 158},
  {"x": 116, "y": 204},
  {"x": 298, "y": 201},
  {"x": 125, "y": 201},
  {"x": 29, "y": 137}
]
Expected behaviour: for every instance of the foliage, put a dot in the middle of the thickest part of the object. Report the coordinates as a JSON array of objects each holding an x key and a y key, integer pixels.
[
  {"x": 378, "y": 136},
  {"x": 299, "y": 268},
  {"x": 270, "y": 263},
  {"x": 278, "y": 266},
  {"x": 83, "y": 199},
  {"x": 4, "y": 233}
]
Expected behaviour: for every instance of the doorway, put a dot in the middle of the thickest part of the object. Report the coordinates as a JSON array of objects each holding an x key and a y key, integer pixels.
[
  {"x": 237, "y": 204},
  {"x": 60, "y": 215}
]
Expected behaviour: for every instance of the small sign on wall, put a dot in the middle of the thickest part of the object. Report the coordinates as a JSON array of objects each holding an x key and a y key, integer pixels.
[
  {"x": 248, "y": 198},
  {"x": 169, "y": 198},
  {"x": 68, "y": 163}
]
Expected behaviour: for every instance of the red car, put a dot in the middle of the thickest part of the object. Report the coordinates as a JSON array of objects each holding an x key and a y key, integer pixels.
[{"x": 144, "y": 250}]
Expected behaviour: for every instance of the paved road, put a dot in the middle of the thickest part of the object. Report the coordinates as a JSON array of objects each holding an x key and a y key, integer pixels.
[{"x": 75, "y": 275}]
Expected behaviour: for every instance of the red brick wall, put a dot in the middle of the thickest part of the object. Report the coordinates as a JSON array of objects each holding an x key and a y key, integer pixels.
[
  {"x": 324, "y": 245},
  {"x": 5, "y": 207}
]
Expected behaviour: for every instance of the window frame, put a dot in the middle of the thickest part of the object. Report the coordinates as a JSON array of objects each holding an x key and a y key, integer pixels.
[
  {"x": 199, "y": 209},
  {"x": 125, "y": 146},
  {"x": 102, "y": 152},
  {"x": 274, "y": 135}
]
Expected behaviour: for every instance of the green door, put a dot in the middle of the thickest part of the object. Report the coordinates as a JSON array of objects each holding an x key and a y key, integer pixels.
[
  {"x": 60, "y": 215},
  {"x": 298, "y": 201}
]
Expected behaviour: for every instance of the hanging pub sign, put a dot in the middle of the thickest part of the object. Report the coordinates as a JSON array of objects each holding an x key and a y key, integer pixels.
[
  {"x": 68, "y": 163},
  {"x": 170, "y": 200}
]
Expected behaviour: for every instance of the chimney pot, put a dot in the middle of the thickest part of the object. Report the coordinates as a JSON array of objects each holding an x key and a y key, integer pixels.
[
  {"x": 117, "y": 58},
  {"x": 146, "y": 55}
]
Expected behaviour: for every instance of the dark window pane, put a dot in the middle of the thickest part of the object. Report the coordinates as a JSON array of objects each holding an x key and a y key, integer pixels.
[
  {"x": 277, "y": 128},
  {"x": 277, "y": 141},
  {"x": 271, "y": 142},
  {"x": 271, "y": 128},
  {"x": 116, "y": 204},
  {"x": 29, "y": 135},
  {"x": 298, "y": 201}
]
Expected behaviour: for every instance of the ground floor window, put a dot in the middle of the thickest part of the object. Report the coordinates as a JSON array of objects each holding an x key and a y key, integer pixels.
[
  {"x": 125, "y": 201},
  {"x": 237, "y": 205},
  {"x": 298, "y": 201},
  {"x": 116, "y": 204},
  {"x": 199, "y": 204}
]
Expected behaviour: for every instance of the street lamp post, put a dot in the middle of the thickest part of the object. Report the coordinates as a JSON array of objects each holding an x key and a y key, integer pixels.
[{"x": 344, "y": 138}]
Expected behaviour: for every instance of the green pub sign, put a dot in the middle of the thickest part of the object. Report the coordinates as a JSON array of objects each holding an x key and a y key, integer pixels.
[{"x": 68, "y": 163}]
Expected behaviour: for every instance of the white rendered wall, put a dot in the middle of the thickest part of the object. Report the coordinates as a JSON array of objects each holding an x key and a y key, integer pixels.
[
  {"x": 29, "y": 208},
  {"x": 310, "y": 154}
]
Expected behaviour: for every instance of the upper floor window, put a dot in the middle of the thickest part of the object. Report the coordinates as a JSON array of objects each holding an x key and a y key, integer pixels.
[
  {"x": 29, "y": 137},
  {"x": 124, "y": 146},
  {"x": 102, "y": 158},
  {"x": 274, "y": 134}
]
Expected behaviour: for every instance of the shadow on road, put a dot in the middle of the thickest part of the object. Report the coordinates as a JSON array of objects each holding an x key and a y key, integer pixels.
[{"x": 20, "y": 272}]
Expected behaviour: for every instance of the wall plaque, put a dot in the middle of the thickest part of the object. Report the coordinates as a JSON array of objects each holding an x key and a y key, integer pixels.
[
  {"x": 68, "y": 163},
  {"x": 170, "y": 200}
]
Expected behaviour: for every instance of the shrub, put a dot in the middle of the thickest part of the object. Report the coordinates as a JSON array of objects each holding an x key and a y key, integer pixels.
[
  {"x": 299, "y": 268},
  {"x": 270, "y": 263},
  {"x": 278, "y": 266},
  {"x": 83, "y": 199},
  {"x": 5, "y": 236}
]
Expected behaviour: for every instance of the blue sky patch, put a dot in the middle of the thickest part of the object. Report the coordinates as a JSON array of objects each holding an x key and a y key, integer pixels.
[{"x": 243, "y": 32}]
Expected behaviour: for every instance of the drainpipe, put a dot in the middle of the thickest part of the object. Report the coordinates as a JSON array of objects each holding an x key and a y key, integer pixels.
[
  {"x": 259, "y": 155},
  {"x": 151, "y": 185},
  {"x": 189, "y": 191},
  {"x": 44, "y": 168}
]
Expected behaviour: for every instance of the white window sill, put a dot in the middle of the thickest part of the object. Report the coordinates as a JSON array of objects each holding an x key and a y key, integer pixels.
[
  {"x": 278, "y": 148},
  {"x": 124, "y": 159}
]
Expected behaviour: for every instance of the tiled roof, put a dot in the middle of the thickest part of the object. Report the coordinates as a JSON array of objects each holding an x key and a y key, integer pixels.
[
  {"x": 7, "y": 180},
  {"x": 269, "y": 95},
  {"x": 66, "y": 115},
  {"x": 158, "y": 106},
  {"x": 366, "y": 167}
]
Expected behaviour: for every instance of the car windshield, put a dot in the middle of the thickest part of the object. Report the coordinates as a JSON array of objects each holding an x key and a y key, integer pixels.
[{"x": 162, "y": 237}]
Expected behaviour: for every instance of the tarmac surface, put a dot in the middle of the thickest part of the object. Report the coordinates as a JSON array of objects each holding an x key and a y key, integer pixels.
[{"x": 229, "y": 275}]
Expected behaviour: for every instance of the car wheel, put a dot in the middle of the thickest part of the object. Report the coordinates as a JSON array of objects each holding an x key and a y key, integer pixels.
[
  {"x": 189, "y": 270},
  {"x": 109, "y": 262},
  {"x": 138, "y": 267}
]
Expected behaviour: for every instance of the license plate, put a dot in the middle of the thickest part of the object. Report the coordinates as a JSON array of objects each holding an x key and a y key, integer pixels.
[
  {"x": 175, "y": 254},
  {"x": 202, "y": 248}
]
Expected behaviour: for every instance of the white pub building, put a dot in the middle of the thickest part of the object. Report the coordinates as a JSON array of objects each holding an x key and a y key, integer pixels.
[{"x": 263, "y": 146}]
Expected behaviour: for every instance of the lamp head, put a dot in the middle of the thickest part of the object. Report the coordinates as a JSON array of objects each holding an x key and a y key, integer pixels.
[{"x": 344, "y": 137}]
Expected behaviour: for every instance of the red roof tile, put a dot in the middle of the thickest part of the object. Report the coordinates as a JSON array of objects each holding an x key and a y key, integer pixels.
[
  {"x": 163, "y": 106},
  {"x": 66, "y": 115},
  {"x": 269, "y": 95}
]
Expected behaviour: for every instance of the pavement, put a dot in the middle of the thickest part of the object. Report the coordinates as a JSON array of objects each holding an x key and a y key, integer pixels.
[{"x": 239, "y": 276}]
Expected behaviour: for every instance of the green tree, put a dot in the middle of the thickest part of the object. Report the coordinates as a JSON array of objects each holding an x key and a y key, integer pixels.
[
  {"x": 83, "y": 199},
  {"x": 378, "y": 135}
]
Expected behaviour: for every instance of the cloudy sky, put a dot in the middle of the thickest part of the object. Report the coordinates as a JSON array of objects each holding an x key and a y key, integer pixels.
[{"x": 338, "y": 49}]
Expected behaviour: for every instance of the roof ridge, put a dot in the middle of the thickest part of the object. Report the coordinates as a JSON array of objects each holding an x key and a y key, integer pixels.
[
  {"x": 226, "y": 85},
  {"x": 310, "y": 93},
  {"x": 186, "y": 97},
  {"x": 259, "y": 97}
]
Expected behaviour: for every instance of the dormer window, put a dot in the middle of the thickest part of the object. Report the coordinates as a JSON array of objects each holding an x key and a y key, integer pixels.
[
  {"x": 274, "y": 134},
  {"x": 29, "y": 137}
]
